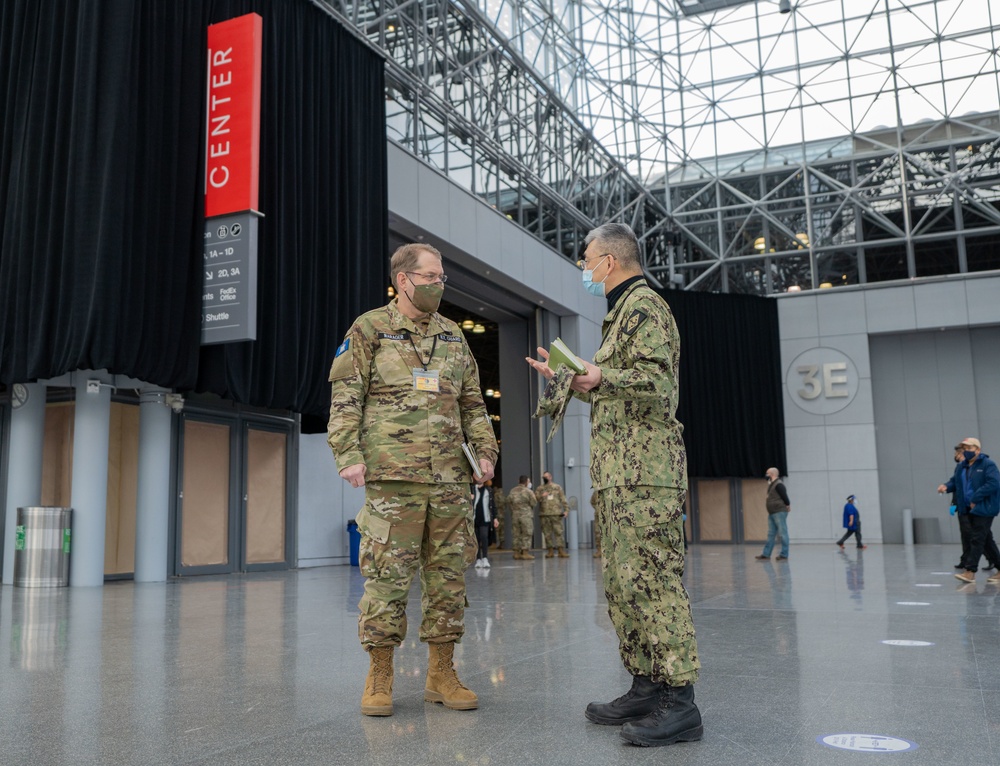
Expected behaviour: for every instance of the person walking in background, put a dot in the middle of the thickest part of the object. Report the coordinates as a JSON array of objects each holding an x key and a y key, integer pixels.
[
  {"x": 522, "y": 503},
  {"x": 778, "y": 505},
  {"x": 552, "y": 509},
  {"x": 639, "y": 468},
  {"x": 961, "y": 512},
  {"x": 484, "y": 513},
  {"x": 405, "y": 395},
  {"x": 852, "y": 523},
  {"x": 976, "y": 484}
]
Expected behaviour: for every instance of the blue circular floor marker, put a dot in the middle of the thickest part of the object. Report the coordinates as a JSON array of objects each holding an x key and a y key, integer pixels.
[
  {"x": 906, "y": 642},
  {"x": 867, "y": 743}
]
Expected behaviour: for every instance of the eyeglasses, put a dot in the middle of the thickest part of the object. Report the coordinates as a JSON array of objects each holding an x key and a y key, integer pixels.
[
  {"x": 431, "y": 278},
  {"x": 585, "y": 263}
]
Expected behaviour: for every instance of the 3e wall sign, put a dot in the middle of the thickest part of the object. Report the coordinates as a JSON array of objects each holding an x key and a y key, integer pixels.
[{"x": 822, "y": 380}]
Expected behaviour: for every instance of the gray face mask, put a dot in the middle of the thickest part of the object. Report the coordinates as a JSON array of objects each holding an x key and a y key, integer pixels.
[{"x": 427, "y": 298}]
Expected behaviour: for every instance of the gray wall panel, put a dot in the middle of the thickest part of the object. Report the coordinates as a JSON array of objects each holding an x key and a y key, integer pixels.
[{"x": 943, "y": 404}]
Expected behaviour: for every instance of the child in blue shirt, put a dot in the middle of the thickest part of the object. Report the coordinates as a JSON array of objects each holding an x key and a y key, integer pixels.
[{"x": 852, "y": 522}]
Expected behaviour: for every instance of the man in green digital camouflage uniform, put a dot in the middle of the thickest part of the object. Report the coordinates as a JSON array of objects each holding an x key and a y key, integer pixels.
[
  {"x": 638, "y": 469},
  {"x": 522, "y": 502},
  {"x": 597, "y": 523},
  {"x": 405, "y": 396},
  {"x": 552, "y": 509}
]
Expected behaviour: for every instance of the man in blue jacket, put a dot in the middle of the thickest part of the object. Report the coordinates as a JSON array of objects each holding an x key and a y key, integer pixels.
[{"x": 976, "y": 485}]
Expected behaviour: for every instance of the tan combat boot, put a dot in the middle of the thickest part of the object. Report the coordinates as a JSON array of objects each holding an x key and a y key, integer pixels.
[
  {"x": 526, "y": 555},
  {"x": 563, "y": 554},
  {"x": 442, "y": 681},
  {"x": 377, "y": 699},
  {"x": 551, "y": 554}
]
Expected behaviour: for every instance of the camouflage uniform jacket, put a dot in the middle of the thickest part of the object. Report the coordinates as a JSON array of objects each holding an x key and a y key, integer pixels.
[
  {"x": 551, "y": 500},
  {"x": 379, "y": 419},
  {"x": 521, "y": 499},
  {"x": 635, "y": 438}
]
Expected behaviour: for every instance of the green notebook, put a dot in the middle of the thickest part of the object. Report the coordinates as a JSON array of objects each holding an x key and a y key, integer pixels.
[{"x": 559, "y": 353}]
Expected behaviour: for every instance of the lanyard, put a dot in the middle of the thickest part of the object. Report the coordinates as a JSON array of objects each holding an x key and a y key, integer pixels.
[{"x": 420, "y": 357}]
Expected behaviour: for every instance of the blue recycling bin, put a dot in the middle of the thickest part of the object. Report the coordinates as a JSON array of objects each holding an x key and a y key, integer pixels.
[{"x": 354, "y": 535}]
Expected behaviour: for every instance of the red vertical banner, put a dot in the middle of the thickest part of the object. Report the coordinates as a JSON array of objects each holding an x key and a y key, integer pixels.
[{"x": 232, "y": 154}]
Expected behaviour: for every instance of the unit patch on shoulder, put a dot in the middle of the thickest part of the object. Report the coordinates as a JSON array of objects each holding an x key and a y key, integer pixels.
[
  {"x": 343, "y": 347},
  {"x": 634, "y": 322}
]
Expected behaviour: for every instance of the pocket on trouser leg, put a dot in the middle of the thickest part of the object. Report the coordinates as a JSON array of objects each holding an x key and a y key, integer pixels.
[{"x": 387, "y": 551}]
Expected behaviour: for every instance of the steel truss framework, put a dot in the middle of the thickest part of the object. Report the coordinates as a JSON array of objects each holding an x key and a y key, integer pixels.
[
  {"x": 847, "y": 141},
  {"x": 463, "y": 99}
]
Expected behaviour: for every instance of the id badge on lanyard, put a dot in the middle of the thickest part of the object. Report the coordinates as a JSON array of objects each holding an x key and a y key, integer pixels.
[{"x": 426, "y": 380}]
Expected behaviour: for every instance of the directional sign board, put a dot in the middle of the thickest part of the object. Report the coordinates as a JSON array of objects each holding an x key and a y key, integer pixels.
[{"x": 229, "y": 293}]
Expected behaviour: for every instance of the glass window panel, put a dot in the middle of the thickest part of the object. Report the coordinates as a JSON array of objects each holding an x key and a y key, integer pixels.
[
  {"x": 883, "y": 264},
  {"x": 205, "y": 510},
  {"x": 982, "y": 253},
  {"x": 837, "y": 268},
  {"x": 791, "y": 271},
  {"x": 266, "y": 491},
  {"x": 933, "y": 259}
]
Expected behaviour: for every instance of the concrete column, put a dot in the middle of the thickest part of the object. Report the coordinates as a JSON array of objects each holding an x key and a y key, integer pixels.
[
  {"x": 89, "y": 491},
  {"x": 152, "y": 509},
  {"x": 24, "y": 467}
]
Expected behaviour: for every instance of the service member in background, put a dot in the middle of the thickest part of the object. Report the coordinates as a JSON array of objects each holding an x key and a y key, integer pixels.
[
  {"x": 552, "y": 509},
  {"x": 405, "y": 396},
  {"x": 522, "y": 502},
  {"x": 638, "y": 468}
]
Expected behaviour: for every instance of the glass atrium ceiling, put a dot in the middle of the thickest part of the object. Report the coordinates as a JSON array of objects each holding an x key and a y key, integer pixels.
[
  {"x": 755, "y": 147},
  {"x": 669, "y": 84}
]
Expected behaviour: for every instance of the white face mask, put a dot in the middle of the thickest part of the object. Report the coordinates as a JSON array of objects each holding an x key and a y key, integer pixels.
[{"x": 530, "y": 485}]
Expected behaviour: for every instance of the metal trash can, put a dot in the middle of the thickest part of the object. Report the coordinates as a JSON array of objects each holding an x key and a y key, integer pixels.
[{"x": 41, "y": 547}]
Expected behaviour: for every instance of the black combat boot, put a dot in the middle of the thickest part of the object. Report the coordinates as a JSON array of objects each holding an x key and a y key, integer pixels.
[
  {"x": 634, "y": 705},
  {"x": 676, "y": 719}
]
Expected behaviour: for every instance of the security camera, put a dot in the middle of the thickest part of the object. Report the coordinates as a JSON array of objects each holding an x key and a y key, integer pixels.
[
  {"x": 784, "y": 6},
  {"x": 175, "y": 402}
]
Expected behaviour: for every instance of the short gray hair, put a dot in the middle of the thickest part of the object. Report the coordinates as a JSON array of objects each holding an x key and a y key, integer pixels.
[
  {"x": 406, "y": 256},
  {"x": 619, "y": 240}
]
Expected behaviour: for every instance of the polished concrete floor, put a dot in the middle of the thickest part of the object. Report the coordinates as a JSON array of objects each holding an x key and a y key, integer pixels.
[{"x": 266, "y": 668}]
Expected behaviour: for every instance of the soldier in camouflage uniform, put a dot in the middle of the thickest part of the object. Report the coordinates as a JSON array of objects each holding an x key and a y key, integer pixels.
[
  {"x": 501, "y": 500},
  {"x": 522, "y": 502},
  {"x": 405, "y": 396},
  {"x": 552, "y": 509},
  {"x": 638, "y": 468}
]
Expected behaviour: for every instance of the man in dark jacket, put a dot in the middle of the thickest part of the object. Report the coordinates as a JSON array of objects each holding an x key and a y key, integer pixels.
[
  {"x": 976, "y": 484},
  {"x": 778, "y": 506}
]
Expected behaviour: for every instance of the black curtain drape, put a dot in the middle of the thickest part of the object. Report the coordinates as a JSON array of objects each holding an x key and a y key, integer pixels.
[
  {"x": 323, "y": 190},
  {"x": 730, "y": 378},
  {"x": 101, "y": 184}
]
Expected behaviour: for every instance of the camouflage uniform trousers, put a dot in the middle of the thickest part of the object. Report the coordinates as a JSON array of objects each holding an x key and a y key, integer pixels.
[
  {"x": 523, "y": 529},
  {"x": 647, "y": 601},
  {"x": 597, "y": 521},
  {"x": 406, "y": 526},
  {"x": 552, "y": 531}
]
